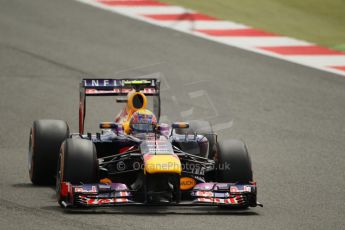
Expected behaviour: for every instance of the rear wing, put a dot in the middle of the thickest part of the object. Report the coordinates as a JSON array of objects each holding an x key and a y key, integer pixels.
[{"x": 117, "y": 87}]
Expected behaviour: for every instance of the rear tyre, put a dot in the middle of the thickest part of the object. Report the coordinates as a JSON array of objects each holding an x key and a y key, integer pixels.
[
  {"x": 234, "y": 163},
  {"x": 46, "y": 137},
  {"x": 78, "y": 164}
]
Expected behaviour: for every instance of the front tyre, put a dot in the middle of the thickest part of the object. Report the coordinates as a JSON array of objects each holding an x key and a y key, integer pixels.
[
  {"x": 78, "y": 164},
  {"x": 234, "y": 164}
]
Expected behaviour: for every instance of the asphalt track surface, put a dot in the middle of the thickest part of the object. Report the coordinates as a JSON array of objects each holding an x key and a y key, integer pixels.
[{"x": 291, "y": 117}]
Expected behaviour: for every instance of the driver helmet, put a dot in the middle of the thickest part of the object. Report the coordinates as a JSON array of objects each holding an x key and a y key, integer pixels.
[{"x": 142, "y": 121}]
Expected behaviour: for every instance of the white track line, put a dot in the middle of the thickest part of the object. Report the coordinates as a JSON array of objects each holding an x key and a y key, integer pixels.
[
  {"x": 321, "y": 60},
  {"x": 261, "y": 41},
  {"x": 201, "y": 25},
  {"x": 151, "y": 9}
]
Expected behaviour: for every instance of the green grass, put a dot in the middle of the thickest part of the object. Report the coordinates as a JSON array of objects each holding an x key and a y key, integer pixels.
[{"x": 318, "y": 21}]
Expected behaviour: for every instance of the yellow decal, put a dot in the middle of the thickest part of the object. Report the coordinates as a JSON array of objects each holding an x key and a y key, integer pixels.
[
  {"x": 187, "y": 183},
  {"x": 162, "y": 164}
]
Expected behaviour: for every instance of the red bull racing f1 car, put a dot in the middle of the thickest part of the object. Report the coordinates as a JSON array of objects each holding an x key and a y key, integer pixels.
[{"x": 135, "y": 159}]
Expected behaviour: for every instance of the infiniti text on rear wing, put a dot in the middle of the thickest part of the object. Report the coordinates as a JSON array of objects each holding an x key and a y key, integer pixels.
[{"x": 117, "y": 87}]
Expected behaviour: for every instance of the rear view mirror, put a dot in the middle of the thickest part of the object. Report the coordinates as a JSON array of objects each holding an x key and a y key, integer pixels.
[
  {"x": 108, "y": 125},
  {"x": 180, "y": 125}
]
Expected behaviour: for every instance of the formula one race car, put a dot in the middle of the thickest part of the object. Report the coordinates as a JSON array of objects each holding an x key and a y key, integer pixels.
[{"x": 135, "y": 160}]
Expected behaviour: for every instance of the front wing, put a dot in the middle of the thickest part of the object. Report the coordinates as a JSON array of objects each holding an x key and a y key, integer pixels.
[{"x": 203, "y": 194}]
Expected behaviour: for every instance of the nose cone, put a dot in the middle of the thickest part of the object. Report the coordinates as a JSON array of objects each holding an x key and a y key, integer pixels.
[{"x": 162, "y": 164}]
